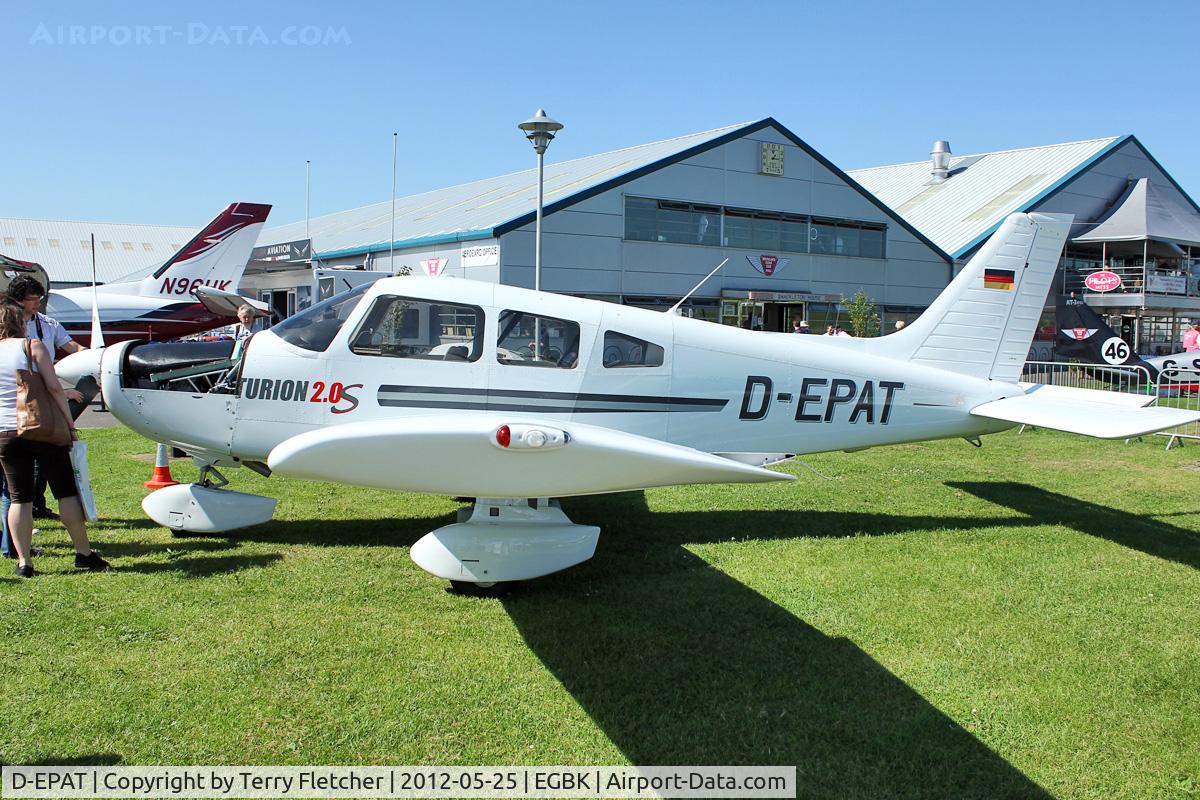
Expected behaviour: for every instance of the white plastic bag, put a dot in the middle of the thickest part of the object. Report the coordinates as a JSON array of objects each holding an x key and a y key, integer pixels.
[{"x": 80, "y": 465}]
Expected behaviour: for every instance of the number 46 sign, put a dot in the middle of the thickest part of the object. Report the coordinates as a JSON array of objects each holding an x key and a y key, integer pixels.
[{"x": 1115, "y": 351}]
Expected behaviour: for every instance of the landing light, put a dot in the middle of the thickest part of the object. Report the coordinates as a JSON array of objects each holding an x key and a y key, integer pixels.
[{"x": 521, "y": 436}]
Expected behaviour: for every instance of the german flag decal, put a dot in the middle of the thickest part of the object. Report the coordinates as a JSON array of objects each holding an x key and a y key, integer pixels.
[{"x": 999, "y": 279}]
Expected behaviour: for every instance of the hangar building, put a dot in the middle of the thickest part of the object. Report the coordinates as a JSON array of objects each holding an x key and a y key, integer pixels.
[
  {"x": 645, "y": 224},
  {"x": 65, "y": 248},
  {"x": 1131, "y": 218}
]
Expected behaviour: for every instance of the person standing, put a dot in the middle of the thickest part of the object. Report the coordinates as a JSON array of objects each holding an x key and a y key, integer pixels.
[
  {"x": 18, "y": 456},
  {"x": 27, "y": 294},
  {"x": 1191, "y": 337}
]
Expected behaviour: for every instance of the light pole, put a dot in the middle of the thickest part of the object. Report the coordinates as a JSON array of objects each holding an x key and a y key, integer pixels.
[{"x": 539, "y": 130}]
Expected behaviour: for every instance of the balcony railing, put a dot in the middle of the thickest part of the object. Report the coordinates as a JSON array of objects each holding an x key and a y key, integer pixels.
[{"x": 1135, "y": 279}]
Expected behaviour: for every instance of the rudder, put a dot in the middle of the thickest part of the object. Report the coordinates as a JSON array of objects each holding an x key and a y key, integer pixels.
[{"x": 983, "y": 323}]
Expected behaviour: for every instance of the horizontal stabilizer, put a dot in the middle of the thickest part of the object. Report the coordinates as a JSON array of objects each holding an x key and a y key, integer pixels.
[
  {"x": 1105, "y": 415},
  {"x": 226, "y": 304},
  {"x": 462, "y": 454}
]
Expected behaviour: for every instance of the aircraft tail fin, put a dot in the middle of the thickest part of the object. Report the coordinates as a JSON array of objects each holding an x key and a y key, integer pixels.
[
  {"x": 215, "y": 257},
  {"x": 983, "y": 323},
  {"x": 1084, "y": 335}
]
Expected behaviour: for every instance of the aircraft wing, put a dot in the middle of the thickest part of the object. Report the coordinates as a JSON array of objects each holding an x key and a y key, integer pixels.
[
  {"x": 1105, "y": 415},
  {"x": 226, "y": 304},
  {"x": 465, "y": 454}
]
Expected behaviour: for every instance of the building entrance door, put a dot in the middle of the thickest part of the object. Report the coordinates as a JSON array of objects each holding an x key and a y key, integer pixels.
[{"x": 778, "y": 317}]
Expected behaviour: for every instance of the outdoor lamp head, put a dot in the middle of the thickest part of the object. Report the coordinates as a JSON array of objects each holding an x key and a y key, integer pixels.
[{"x": 539, "y": 130}]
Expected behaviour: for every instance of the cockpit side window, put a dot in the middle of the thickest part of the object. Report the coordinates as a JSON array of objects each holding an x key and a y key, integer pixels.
[
  {"x": 622, "y": 350},
  {"x": 529, "y": 340},
  {"x": 314, "y": 328},
  {"x": 405, "y": 327}
]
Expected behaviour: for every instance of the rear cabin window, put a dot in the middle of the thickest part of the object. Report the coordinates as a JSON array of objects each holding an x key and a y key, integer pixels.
[
  {"x": 623, "y": 350},
  {"x": 405, "y": 327},
  {"x": 527, "y": 340},
  {"x": 316, "y": 327}
]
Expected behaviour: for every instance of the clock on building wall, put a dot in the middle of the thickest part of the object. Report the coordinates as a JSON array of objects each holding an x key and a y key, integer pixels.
[{"x": 772, "y": 158}]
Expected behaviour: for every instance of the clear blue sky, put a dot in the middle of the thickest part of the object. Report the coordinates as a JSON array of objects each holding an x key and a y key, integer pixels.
[{"x": 163, "y": 113}]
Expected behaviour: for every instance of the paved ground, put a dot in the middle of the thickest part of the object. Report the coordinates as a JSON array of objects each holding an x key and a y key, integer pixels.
[{"x": 95, "y": 418}]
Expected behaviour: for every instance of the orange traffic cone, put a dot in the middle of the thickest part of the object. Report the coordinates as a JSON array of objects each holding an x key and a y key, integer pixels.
[{"x": 162, "y": 470}]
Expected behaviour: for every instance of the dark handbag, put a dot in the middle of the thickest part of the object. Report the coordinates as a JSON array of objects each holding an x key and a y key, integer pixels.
[{"x": 39, "y": 419}]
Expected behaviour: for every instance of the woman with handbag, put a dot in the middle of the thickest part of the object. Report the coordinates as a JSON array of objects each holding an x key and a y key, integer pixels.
[{"x": 36, "y": 425}]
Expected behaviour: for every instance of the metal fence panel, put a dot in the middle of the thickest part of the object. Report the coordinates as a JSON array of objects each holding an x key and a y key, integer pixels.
[
  {"x": 1174, "y": 391},
  {"x": 1105, "y": 378}
]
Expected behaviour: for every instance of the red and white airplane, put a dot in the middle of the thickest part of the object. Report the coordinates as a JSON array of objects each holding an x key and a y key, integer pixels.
[{"x": 163, "y": 305}]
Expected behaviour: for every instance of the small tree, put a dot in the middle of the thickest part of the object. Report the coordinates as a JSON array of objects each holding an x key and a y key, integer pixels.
[{"x": 864, "y": 314}]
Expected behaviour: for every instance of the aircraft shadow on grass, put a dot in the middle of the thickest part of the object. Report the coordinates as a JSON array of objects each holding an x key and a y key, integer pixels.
[
  {"x": 83, "y": 760},
  {"x": 1150, "y": 536},
  {"x": 679, "y": 663}
]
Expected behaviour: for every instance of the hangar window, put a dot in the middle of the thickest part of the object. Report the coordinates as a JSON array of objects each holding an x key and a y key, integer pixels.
[
  {"x": 55, "y": 243},
  {"x": 528, "y": 340},
  {"x": 31, "y": 242},
  {"x": 106, "y": 245},
  {"x": 314, "y": 328},
  {"x": 85, "y": 244},
  {"x": 147, "y": 247},
  {"x": 650, "y": 220},
  {"x": 405, "y": 327},
  {"x": 623, "y": 350},
  {"x": 670, "y": 221},
  {"x": 128, "y": 246},
  {"x": 845, "y": 238},
  {"x": 10, "y": 241}
]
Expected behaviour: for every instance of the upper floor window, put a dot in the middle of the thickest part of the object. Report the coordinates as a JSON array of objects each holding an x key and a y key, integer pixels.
[
  {"x": 623, "y": 350},
  {"x": 529, "y": 340},
  {"x": 405, "y": 327},
  {"x": 650, "y": 220},
  {"x": 668, "y": 221}
]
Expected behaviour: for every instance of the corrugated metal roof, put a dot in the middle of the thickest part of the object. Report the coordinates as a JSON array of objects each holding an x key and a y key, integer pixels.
[
  {"x": 64, "y": 248},
  {"x": 982, "y": 189},
  {"x": 476, "y": 210}
]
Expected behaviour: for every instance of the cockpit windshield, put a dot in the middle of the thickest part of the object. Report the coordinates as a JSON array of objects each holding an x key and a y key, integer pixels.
[{"x": 316, "y": 327}]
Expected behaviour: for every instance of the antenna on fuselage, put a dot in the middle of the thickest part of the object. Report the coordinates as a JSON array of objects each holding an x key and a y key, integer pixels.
[{"x": 675, "y": 308}]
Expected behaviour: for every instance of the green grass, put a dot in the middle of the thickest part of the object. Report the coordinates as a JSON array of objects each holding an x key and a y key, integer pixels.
[{"x": 920, "y": 621}]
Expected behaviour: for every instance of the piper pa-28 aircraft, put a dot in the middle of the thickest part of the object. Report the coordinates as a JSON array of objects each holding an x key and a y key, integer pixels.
[
  {"x": 512, "y": 397},
  {"x": 163, "y": 305}
]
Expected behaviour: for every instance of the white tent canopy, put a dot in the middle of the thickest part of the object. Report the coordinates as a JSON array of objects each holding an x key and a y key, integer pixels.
[{"x": 1147, "y": 213}]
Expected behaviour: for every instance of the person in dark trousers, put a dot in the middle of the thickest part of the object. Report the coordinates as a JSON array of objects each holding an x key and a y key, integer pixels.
[
  {"x": 18, "y": 455},
  {"x": 27, "y": 294}
]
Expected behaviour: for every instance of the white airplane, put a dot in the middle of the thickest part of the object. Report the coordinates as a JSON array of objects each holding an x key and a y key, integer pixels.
[
  {"x": 512, "y": 397},
  {"x": 168, "y": 303}
]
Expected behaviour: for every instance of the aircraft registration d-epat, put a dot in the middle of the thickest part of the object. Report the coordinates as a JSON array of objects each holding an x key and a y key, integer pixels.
[{"x": 512, "y": 397}]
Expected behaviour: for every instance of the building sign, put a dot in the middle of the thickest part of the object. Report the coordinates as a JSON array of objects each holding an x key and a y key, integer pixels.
[
  {"x": 1102, "y": 281},
  {"x": 434, "y": 266},
  {"x": 792, "y": 297},
  {"x": 1166, "y": 284},
  {"x": 282, "y": 254},
  {"x": 481, "y": 255},
  {"x": 768, "y": 265}
]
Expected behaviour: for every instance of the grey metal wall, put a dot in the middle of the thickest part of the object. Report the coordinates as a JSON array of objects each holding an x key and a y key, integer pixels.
[{"x": 583, "y": 250}]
